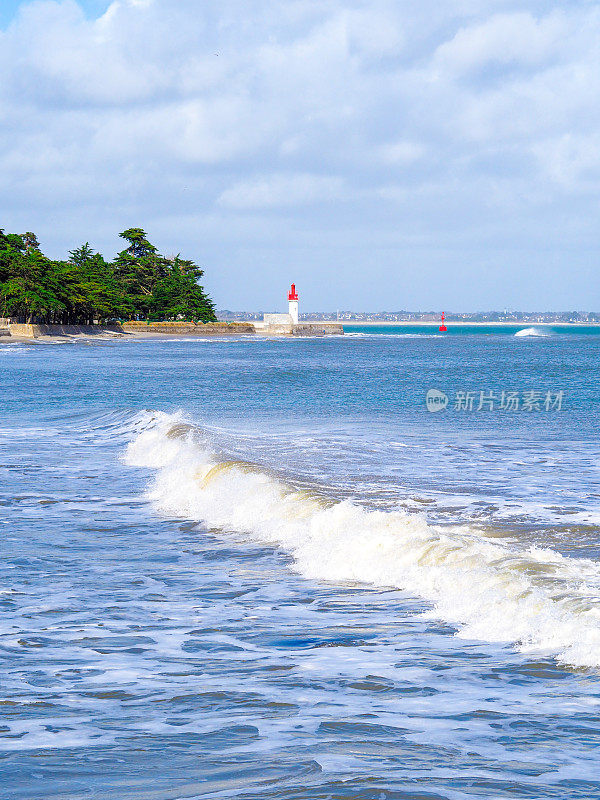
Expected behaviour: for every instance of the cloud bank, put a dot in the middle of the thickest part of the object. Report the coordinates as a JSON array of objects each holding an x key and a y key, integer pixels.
[{"x": 381, "y": 154}]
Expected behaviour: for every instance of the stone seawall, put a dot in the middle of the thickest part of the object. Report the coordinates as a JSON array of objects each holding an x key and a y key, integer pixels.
[
  {"x": 317, "y": 329},
  {"x": 135, "y": 328},
  {"x": 189, "y": 328},
  {"x": 276, "y": 328},
  {"x": 33, "y": 331}
]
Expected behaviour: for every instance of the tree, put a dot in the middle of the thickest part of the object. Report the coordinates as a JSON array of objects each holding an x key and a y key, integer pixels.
[
  {"x": 81, "y": 256},
  {"x": 177, "y": 295},
  {"x": 138, "y": 268},
  {"x": 30, "y": 290},
  {"x": 138, "y": 283},
  {"x": 30, "y": 241}
]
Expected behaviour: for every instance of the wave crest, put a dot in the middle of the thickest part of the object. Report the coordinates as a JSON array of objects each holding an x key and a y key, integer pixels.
[
  {"x": 532, "y": 332},
  {"x": 536, "y": 599}
]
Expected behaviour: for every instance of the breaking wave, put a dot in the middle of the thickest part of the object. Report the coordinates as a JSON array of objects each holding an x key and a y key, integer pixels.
[
  {"x": 532, "y": 332},
  {"x": 536, "y": 599}
]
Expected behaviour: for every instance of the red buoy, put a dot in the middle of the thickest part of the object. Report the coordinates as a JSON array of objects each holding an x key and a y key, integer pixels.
[{"x": 443, "y": 328}]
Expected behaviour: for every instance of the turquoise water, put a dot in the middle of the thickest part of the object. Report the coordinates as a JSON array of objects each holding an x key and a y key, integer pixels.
[
  {"x": 476, "y": 329},
  {"x": 261, "y": 568}
]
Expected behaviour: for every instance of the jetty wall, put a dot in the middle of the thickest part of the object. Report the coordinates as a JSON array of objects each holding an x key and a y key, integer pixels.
[
  {"x": 33, "y": 330},
  {"x": 189, "y": 328},
  {"x": 317, "y": 329},
  {"x": 278, "y": 325}
]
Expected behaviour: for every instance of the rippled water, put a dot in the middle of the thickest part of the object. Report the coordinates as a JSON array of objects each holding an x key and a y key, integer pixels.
[{"x": 260, "y": 568}]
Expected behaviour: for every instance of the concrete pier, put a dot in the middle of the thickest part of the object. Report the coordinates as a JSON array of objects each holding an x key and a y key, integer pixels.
[{"x": 283, "y": 325}]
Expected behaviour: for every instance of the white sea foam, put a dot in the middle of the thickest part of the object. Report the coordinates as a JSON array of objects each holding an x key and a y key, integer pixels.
[
  {"x": 536, "y": 598},
  {"x": 532, "y": 332}
]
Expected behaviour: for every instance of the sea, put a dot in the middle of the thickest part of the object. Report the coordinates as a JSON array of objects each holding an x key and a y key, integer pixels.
[{"x": 361, "y": 566}]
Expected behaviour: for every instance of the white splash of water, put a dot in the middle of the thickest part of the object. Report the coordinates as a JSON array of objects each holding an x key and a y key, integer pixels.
[
  {"x": 532, "y": 332},
  {"x": 539, "y": 600}
]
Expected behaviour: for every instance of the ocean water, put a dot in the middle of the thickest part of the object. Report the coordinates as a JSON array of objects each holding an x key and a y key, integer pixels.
[{"x": 262, "y": 568}]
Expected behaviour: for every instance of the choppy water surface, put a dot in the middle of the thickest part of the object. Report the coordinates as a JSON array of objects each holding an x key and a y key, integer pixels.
[{"x": 262, "y": 569}]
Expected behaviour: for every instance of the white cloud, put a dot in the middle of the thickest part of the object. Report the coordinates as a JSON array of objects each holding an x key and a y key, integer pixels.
[
  {"x": 402, "y": 152},
  {"x": 504, "y": 39},
  {"x": 571, "y": 161},
  {"x": 276, "y": 191}
]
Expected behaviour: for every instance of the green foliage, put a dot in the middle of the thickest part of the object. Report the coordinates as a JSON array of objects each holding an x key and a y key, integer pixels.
[
  {"x": 176, "y": 294},
  {"x": 140, "y": 283}
]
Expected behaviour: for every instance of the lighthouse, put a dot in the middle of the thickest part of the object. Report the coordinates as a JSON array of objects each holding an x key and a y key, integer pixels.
[{"x": 293, "y": 301}]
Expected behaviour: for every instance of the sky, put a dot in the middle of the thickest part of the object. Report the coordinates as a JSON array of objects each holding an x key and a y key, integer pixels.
[{"x": 384, "y": 155}]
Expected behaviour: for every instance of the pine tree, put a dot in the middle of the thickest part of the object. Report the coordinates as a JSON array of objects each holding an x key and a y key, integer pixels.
[{"x": 139, "y": 283}]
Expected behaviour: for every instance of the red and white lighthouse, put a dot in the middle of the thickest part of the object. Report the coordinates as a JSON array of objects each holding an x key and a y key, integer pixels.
[{"x": 293, "y": 301}]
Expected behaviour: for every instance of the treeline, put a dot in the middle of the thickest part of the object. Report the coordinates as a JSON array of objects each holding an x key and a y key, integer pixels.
[{"x": 138, "y": 284}]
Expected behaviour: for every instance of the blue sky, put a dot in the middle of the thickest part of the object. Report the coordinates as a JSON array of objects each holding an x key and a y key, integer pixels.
[
  {"x": 9, "y": 9},
  {"x": 382, "y": 154}
]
